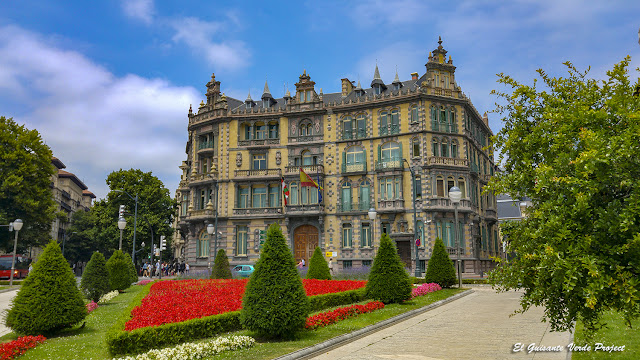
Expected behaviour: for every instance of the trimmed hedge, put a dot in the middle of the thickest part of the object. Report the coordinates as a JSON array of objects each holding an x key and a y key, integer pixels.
[
  {"x": 388, "y": 281},
  {"x": 221, "y": 268},
  {"x": 122, "y": 342},
  {"x": 95, "y": 279},
  {"x": 440, "y": 269},
  {"x": 119, "y": 271},
  {"x": 318, "y": 267}
]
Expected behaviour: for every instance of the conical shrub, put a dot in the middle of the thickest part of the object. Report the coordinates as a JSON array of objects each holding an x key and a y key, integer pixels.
[
  {"x": 95, "y": 279},
  {"x": 318, "y": 267},
  {"x": 440, "y": 269},
  {"x": 221, "y": 268},
  {"x": 133, "y": 274},
  {"x": 388, "y": 281},
  {"x": 119, "y": 273},
  {"x": 49, "y": 299},
  {"x": 275, "y": 303}
]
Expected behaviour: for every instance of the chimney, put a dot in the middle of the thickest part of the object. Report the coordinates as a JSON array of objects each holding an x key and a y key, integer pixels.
[
  {"x": 414, "y": 76},
  {"x": 347, "y": 87}
]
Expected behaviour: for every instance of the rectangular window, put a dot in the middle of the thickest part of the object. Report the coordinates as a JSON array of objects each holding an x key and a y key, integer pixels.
[
  {"x": 365, "y": 235},
  {"x": 347, "y": 264},
  {"x": 301, "y": 95},
  {"x": 304, "y": 195},
  {"x": 259, "y": 162},
  {"x": 364, "y": 197},
  {"x": 397, "y": 195},
  {"x": 347, "y": 240},
  {"x": 445, "y": 150},
  {"x": 247, "y": 132},
  {"x": 309, "y": 97},
  {"x": 293, "y": 194},
  {"x": 203, "y": 199},
  {"x": 415, "y": 149},
  {"x": 367, "y": 262},
  {"x": 440, "y": 187},
  {"x": 259, "y": 197},
  {"x": 385, "y": 227},
  {"x": 274, "y": 198},
  {"x": 273, "y": 131},
  {"x": 346, "y": 198},
  {"x": 241, "y": 240},
  {"x": 418, "y": 185},
  {"x": 422, "y": 266},
  {"x": 450, "y": 184},
  {"x": 261, "y": 132},
  {"x": 243, "y": 197},
  {"x": 313, "y": 195}
]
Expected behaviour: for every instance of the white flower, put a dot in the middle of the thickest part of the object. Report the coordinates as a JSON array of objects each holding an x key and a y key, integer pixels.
[
  {"x": 108, "y": 296},
  {"x": 193, "y": 351}
]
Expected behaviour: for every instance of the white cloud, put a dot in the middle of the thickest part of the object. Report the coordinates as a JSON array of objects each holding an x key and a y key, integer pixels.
[
  {"x": 143, "y": 10},
  {"x": 94, "y": 121},
  {"x": 389, "y": 13},
  {"x": 199, "y": 36}
]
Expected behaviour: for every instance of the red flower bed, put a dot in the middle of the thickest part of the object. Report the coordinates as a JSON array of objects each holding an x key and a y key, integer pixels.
[
  {"x": 18, "y": 347},
  {"x": 181, "y": 300},
  {"x": 330, "y": 317}
]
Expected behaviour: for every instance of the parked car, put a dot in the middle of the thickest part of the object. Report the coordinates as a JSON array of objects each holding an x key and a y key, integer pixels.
[{"x": 242, "y": 270}]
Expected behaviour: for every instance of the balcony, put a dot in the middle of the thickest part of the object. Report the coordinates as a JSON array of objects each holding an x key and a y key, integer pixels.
[
  {"x": 391, "y": 206},
  {"x": 259, "y": 142},
  {"x": 65, "y": 194},
  {"x": 390, "y": 129},
  {"x": 446, "y": 161},
  {"x": 65, "y": 206},
  {"x": 200, "y": 214},
  {"x": 444, "y": 127},
  {"x": 206, "y": 147},
  {"x": 308, "y": 209},
  {"x": 389, "y": 164},
  {"x": 490, "y": 213},
  {"x": 442, "y": 92},
  {"x": 485, "y": 178},
  {"x": 309, "y": 169},
  {"x": 305, "y": 138},
  {"x": 353, "y": 207},
  {"x": 199, "y": 179},
  {"x": 444, "y": 204},
  {"x": 354, "y": 168},
  {"x": 473, "y": 168},
  {"x": 354, "y": 134},
  {"x": 258, "y": 173},
  {"x": 269, "y": 211}
]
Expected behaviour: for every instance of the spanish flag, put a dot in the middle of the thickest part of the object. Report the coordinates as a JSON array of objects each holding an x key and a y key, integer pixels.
[{"x": 306, "y": 180}]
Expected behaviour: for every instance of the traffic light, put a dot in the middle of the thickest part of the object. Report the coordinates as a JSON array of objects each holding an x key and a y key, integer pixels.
[
  {"x": 163, "y": 243},
  {"x": 121, "y": 212}
]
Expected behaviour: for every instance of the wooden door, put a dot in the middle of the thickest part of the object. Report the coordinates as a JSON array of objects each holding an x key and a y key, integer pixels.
[
  {"x": 404, "y": 250},
  {"x": 305, "y": 240}
]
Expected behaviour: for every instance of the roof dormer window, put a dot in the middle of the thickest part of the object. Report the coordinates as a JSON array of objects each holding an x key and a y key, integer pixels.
[{"x": 265, "y": 103}]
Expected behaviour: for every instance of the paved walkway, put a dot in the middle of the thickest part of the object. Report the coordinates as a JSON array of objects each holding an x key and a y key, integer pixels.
[
  {"x": 5, "y": 301},
  {"x": 476, "y": 326}
]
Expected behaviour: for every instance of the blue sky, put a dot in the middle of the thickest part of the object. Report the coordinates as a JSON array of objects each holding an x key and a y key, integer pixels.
[{"x": 108, "y": 83}]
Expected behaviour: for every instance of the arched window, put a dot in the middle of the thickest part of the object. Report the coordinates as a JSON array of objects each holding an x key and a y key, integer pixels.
[
  {"x": 443, "y": 115},
  {"x": 347, "y": 127},
  {"x": 452, "y": 121},
  {"x": 365, "y": 192},
  {"x": 414, "y": 114},
  {"x": 434, "y": 114},
  {"x": 444, "y": 148},
  {"x": 361, "y": 126},
  {"x": 435, "y": 147},
  {"x": 436, "y": 78},
  {"x": 463, "y": 187},
  {"x": 307, "y": 158},
  {"x": 450, "y": 183},
  {"x": 202, "y": 249},
  {"x": 384, "y": 123},
  {"x": 303, "y": 130},
  {"x": 415, "y": 147},
  {"x": 355, "y": 155},
  {"x": 346, "y": 196},
  {"x": 246, "y": 129},
  {"x": 395, "y": 121},
  {"x": 391, "y": 152},
  {"x": 454, "y": 148},
  {"x": 260, "y": 131}
]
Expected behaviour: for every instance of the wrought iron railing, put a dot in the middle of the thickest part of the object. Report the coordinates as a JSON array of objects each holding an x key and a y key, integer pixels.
[
  {"x": 258, "y": 172},
  {"x": 354, "y": 168},
  {"x": 438, "y": 160},
  {"x": 388, "y": 164},
  {"x": 309, "y": 169},
  {"x": 352, "y": 207},
  {"x": 444, "y": 127}
]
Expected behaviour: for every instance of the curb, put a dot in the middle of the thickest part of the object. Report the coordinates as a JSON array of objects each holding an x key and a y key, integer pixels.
[
  {"x": 15, "y": 287},
  {"x": 337, "y": 341}
]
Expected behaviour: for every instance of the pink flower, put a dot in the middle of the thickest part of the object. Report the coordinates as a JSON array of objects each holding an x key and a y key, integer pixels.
[
  {"x": 91, "y": 306},
  {"x": 424, "y": 289}
]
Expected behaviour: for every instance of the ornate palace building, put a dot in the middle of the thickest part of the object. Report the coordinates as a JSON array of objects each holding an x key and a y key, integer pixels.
[{"x": 359, "y": 145}]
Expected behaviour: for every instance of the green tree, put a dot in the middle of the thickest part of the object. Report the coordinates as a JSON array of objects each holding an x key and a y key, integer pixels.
[
  {"x": 48, "y": 300},
  {"x": 388, "y": 281},
  {"x": 440, "y": 269},
  {"x": 133, "y": 273},
  {"x": 572, "y": 148},
  {"x": 119, "y": 271},
  {"x": 155, "y": 207},
  {"x": 275, "y": 303},
  {"x": 221, "y": 268},
  {"x": 95, "y": 279},
  {"x": 82, "y": 237},
  {"x": 25, "y": 165},
  {"x": 318, "y": 267}
]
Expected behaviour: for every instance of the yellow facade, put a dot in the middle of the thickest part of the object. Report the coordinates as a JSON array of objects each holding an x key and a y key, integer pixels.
[{"x": 361, "y": 145}]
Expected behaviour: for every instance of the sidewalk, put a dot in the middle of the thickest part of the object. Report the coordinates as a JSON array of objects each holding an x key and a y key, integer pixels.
[{"x": 476, "y": 326}]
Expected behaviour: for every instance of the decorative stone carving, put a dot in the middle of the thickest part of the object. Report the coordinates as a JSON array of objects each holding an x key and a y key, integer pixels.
[
  {"x": 238, "y": 159},
  {"x": 293, "y": 128},
  {"x": 317, "y": 126},
  {"x": 278, "y": 158}
]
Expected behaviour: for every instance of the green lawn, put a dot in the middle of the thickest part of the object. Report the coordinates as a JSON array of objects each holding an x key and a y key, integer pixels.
[
  {"x": 90, "y": 343},
  {"x": 87, "y": 343},
  {"x": 617, "y": 333}
]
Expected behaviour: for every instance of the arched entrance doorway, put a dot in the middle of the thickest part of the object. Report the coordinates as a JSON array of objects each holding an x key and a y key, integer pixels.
[{"x": 305, "y": 240}]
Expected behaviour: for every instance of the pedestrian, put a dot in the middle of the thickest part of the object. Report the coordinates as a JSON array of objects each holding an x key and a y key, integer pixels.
[
  {"x": 30, "y": 268},
  {"x": 300, "y": 264},
  {"x": 304, "y": 263},
  {"x": 186, "y": 267},
  {"x": 145, "y": 269},
  {"x": 331, "y": 266},
  {"x": 158, "y": 268}
]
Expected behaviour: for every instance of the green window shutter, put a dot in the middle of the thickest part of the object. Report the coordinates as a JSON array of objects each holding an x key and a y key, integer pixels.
[
  {"x": 379, "y": 152},
  {"x": 400, "y": 150},
  {"x": 344, "y": 161}
]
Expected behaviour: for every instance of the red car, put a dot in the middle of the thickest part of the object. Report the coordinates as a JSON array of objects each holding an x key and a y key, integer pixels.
[{"x": 21, "y": 267}]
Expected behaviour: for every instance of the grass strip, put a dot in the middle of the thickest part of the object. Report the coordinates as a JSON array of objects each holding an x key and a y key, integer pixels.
[
  {"x": 269, "y": 349},
  {"x": 616, "y": 333},
  {"x": 88, "y": 342}
]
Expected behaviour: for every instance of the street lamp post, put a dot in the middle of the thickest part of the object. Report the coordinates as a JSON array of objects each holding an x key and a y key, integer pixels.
[
  {"x": 215, "y": 240},
  {"x": 122, "y": 223},
  {"x": 454, "y": 195},
  {"x": 415, "y": 217},
  {"x": 372, "y": 216},
  {"x": 210, "y": 230},
  {"x": 135, "y": 223},
  {"x": 17, "y": 225}
]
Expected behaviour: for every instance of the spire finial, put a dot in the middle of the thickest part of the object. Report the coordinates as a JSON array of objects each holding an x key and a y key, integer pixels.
[
  {"x": 439, "y": 40},
  {"x": 266, "y": 88},
  {"x": 249, "y": 97},
  {"x": 376, "y": 74},
  {"x": 396, "y": 79}
]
